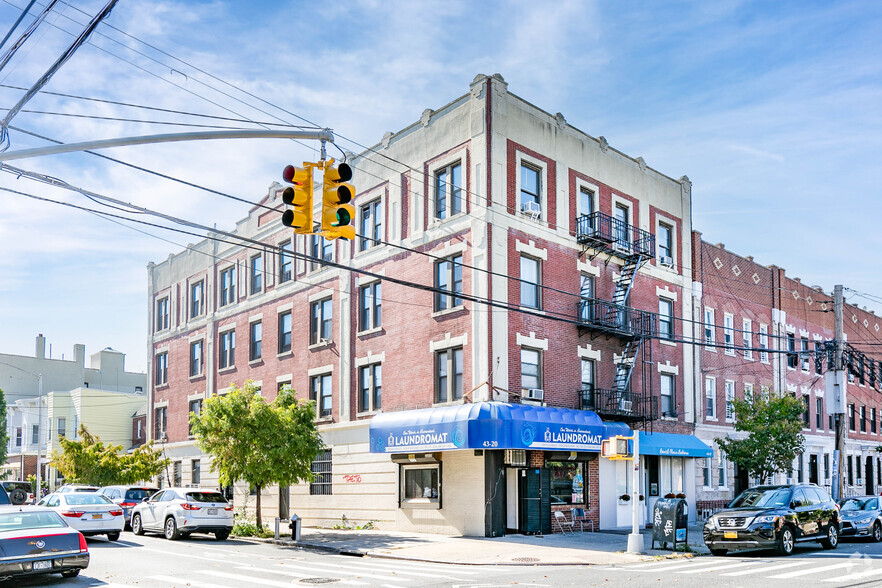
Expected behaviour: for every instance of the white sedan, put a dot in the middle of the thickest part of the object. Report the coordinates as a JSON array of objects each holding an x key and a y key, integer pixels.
[{"x": 88, "y": 512}]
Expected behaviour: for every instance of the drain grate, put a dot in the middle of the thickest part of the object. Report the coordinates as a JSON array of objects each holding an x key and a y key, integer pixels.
[
  {"x": 319, "y": 580},
  {"x": 526, "y": 559}
]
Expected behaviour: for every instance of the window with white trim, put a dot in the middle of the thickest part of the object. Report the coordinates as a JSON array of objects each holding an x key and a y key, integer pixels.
[
  {"x": 162, "y": 314},
  {"x": 721, "y": 471},
  {"x": 448, "y": 374},
  {"x": 531, "y": 370},
  {"x": 665, "y": 242},
  {"x": 320, "y": 392},
  {"x": 227, "y": 357},
  {"x": 710, "y": 398},
  {"x": 448, "y": 191},
  {"x": 228, "y": 286},
  {"x": 255, "y": 340},
  {"x": 370, "y": 309},
  {"x": 256, "y": 267},
  {"x": 285, "y": 332},
  {"x": 747, "y": 338},
  {"x": 729, "y": 334},
  {"x": 531, "y": 188},
  {"x": 370, "y": 387},
  {"x": 448, "y": 276},
  {"x": 666, "y": 389},
  {"x": 196, "y": 350},
  {"x": 764, "y": 343},
  {"x": 197, "y": 299},
  {"x": 420, "y": 483},
  {"x": 709, "y": 328},
  {"x": 161, "y": 375},
  {"x": 321, "y": 317},
  {"x": 730, "y": 401},
  {"x": 286, "y": 261},
  {"x": 531, "y": 281},
  {"x": 371, "y": 225},
  {"x": 322, "y": 250},
  {"x": 665, "y": 318}
]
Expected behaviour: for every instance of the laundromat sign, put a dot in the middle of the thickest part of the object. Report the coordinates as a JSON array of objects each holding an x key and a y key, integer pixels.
[
  {"x": 420, "y": 438},
  {"x": 568, "y": 437}
]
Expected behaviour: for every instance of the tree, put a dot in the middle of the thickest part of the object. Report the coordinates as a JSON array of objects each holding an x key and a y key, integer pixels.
[
  {"x": 4, "y": 434},
  {"x": 91, "y": 461},
  {"x": 258, "y": 442},
  {"x": 774, "y": 437}
]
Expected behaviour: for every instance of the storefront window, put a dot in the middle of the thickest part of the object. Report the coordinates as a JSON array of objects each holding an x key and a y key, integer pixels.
[
  {"x": 567, "y": 483},
  {"x": 421, "y": 483}
]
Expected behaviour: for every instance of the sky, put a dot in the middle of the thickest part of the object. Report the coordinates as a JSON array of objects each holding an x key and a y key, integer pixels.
[{"x": 772, "y": 109}]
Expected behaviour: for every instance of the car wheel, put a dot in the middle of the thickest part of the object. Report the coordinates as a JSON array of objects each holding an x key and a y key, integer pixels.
[
  {"x": 719, "y": 552},
  {"x": 877, "y": 532},
  {"x": 832, "y": 538},
  {"x": 221, "y": 535},
  {"x": 70, "y": 573},
  {"x": 113, "y": 536},
  {"x": 137, "y": 528},
  {"x": 171, "y": 529},
  {"x": 785, "y": 541}
]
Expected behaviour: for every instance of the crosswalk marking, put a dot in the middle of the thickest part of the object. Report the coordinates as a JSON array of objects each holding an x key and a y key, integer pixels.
[
  {"x": 656, "y": 565},
  {"x": 717, "y": 567},
  {"x": 856, "y": 576},
  {"x": 438, "y": 568},
  {"x": 310, "y": 568},
  {"x": 245, "y": 580},
  {"x": 769, "y": 568},
  {"x": 172, "y": 581},
  {"x": 813, "y": 571}
]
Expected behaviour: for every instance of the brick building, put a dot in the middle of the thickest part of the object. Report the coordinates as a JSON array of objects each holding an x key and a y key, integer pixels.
[
  {"x": 746, "y": 307},
  {"x": 586, "y": 255}
]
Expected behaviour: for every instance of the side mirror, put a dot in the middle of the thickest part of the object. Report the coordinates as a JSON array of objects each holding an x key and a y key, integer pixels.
[{"x": 145, "y": 499}]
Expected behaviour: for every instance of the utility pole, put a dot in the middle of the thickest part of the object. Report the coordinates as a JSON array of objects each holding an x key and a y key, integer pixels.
[{"x": 837, "y": 388}]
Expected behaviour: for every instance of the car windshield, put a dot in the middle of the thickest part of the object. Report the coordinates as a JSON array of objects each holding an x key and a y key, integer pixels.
[
  {"x": 83, "y": 499},
  {"x": 139, "y": 494},
  {"x": 764, "y": 498},
  {"x": 857, "y": 504},
  {"x": 15, "y": 521},
  {"x": 206, "y": 497}
]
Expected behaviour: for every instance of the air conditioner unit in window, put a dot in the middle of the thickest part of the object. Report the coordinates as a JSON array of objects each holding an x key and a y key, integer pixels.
[
  {"x": 666, "y": 260},
  {"x": 625, "y": 405},
  {"x": 532, "y": 209},
  {"x": 535, "y": 394}
]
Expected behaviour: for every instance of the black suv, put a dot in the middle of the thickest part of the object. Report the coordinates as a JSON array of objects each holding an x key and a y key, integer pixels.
[{"x": 774, "y": 517}]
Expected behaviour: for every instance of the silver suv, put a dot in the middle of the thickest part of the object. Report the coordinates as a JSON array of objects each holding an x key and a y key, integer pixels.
[{"x": 177, "y": 512}]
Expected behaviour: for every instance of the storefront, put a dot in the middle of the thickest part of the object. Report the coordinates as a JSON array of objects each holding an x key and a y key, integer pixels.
[
  {"x": 513, "y": 463},
  {"x": 668, "y": 467}
]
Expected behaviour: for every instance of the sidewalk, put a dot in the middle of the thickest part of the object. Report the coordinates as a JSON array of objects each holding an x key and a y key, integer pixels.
[{"x": 557, "y": 549}]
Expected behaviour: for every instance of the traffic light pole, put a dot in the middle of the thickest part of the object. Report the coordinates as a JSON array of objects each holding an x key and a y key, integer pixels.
[{"x": 838, "y": 339}]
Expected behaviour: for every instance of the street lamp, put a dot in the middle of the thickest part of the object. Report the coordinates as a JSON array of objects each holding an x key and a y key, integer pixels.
[{"x": 39, "y": 492}]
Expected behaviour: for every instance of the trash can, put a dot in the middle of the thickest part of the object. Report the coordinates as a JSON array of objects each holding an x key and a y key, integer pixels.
[
  {"x": 295, "y": 527},
  {"x": 669, "y": 522}
]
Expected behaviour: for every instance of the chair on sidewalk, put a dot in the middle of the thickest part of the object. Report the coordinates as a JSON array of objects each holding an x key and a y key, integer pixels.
[
  {"x": 563, "y": 522},
  {"x": 582, "y": 520}
]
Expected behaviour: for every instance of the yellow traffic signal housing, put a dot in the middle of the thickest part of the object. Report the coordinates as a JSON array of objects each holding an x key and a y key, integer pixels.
[
  {"x": 299, "y": 197},
  {"x": 337, "y": 213},
  {"x": 617, "y": 447}
]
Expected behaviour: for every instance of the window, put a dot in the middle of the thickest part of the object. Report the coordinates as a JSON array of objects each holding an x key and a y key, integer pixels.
[
  {"x": 420, "y": 483},
  {"x": 448, "y": 191},
  {"x": 530, "y": 282},
  {"x": 322, "y": 250},
  {"x": 286, "y": 261},
  {"x": 448, "y": 276},
  {"x": 18, "y": 436},
  {"x": 827, "y": 466},
  {"x": 139, "y": 429},
  {"x": 320, "y": 321},
  {"x": 730, "y": 401},
  {"x": 806, "y": 413},
  {"x": 227, "y": 350},
  {"x": 567, "y": 482},
  {"x": 747, "y": 338},
  {"x": 35, "y": 434},
  {"x": 370, "y": 387},
  {"x": 586, "y": 202},
  {"x": 322, "y": 469},
  {"x": 791, "y": 351},
  {"x": 710, "y": 398},
  {"x": 162, "y": 314},
  {"x": 665, "y": 318},
  {"x": 819, "y": 415},
  {"x": 819, "y": 353},
  {"x": 370, "y": 309},
  {"x": 160, "y": 422},
  {"x": 667, "y": 395},
  {"x": 729, "y": 334},
  {"x": 721, "y": 472},
  {"x": 531, "y": 370},
  {"x": 228, "y": 286},
  {"x": 748, "y": 392},
  {"x": 851, "y": 417},
  {"x": 320, "y": 392},
  {"x": 665, "y": 242},
  {"x": 531, "y": 197},
  {"x": 196, "y": 358},
  {"x": 804, "y": 353},
  {"x": 448, "y": 375},
  {"x": 196, "y": 472},
  {"x": 706, "y": 473},
  {"x": 873, "y": 420},
  {"x": 255, "y": 340},
  {"x": 285, "y": 332},
  {"x": 586, "y": 297},
  {"x": 621, "y": 226},
  {"x": 256, "y": 273},
  {"x": 709, "y": 327},
  {"x": 764, "y": 343},
  {"x": 588, "y": 399},
  {"x": 197, "y": 299},
  {"x": 176, "y": 473},
  {"x": 161, "y": 363},
  {"x": 195, "y": 408},
  {"x": 371, "y": 225},
  {"x": 863, "y": 419}
]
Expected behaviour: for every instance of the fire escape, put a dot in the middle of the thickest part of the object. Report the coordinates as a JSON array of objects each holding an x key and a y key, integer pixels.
[{"x": 604, "y": 234}]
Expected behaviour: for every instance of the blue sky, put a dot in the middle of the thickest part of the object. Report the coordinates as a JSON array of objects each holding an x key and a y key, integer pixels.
[{"x": 773, "y": 110}]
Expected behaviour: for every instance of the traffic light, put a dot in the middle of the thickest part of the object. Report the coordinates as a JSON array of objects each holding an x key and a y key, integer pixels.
[
  {"x": 337, "y": 213},
  {"x": 299, "y": 197},
  {"x": 617, "y": 447}
]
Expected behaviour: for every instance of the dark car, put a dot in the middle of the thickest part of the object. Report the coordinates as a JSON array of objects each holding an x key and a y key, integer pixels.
[
  {"x": 36, "y": 540},
  {"x": 861, "y": 516},
  {"x": 774, "y": 517}
]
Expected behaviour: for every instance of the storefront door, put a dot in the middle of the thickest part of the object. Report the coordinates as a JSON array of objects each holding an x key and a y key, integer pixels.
[{"x": 534, "y": 490}]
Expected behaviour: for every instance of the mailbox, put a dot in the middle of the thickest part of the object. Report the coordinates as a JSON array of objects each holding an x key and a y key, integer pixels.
[{"x": 669, "y": 520}]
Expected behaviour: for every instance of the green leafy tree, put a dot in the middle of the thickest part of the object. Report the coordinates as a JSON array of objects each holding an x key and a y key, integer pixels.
[
  {"x": 91, "y": 461},
  {"x": 259, "y": 442},
  {"x": 4, "y": 434},
  {"x": 774, "y": 437}
]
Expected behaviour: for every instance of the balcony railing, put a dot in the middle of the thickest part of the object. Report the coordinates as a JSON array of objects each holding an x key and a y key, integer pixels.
[
  {"x": 602, "y": 231},
  {"x": 619, "y": 405},
  {"x": 608, "y": 316}
]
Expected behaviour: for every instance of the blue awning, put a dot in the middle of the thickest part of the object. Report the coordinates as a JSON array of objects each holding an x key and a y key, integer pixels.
[
  {"x": 671, "y": 444},
  {"x": 490, "y": 425}
]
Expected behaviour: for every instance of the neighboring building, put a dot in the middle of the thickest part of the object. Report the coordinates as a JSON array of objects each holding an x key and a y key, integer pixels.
[
  {"x": 746, "y": 308},
  {"x": 584, "y": 251},
  {"x": 19, "y": 379}
]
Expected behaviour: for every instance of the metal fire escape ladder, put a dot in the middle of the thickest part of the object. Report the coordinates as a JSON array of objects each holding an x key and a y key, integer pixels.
[{"x": 625, "y": 367}]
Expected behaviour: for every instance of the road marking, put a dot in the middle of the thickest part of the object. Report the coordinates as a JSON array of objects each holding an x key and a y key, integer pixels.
[
  {"x": 856, "y": 576},
  {"x": 246, "y": 580},
  {"x": 405, "y": 567},
  {"x": 172, "y": 581},
  {"x": 437, "y": 568},
  {"x": 651, "y": 567},
  {"x": 311, "y": 571},
  {"x": 769, "y": 568},
  {"x": 813, "y": 571},
  {"x": 716, "y": 567}
]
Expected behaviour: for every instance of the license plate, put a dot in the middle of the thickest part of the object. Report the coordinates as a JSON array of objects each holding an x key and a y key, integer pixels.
[
  {"x": 42, "y": 565},
  {"x": 97, "y": 515},
  {"x": 730, "y": 535},
  {"x": 212, "y": 511}
]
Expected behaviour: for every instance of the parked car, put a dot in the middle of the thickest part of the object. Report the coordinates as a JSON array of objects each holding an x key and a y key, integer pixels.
[
  {"x": 127, "y": 497},
  {"x": 861, "y": 516},
  {"x": 36, "y": 540},
  {"x": 19, "y": 491},
  {"x": 177, "y": 512},
  {"x": 76, "y": 488},
  {"x": 774, "y": 517},
  {"x": 88, "y": 512}
]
